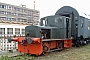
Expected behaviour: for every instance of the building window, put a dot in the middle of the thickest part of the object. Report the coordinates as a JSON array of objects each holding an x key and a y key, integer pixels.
[
  {"x": 29, "y": 11},
  {"x": 2, "y": 30},
  {"x": 2, "y": 18},
  {"x": 29, "y": 18},
  {"x": 37, "y": 12},
  {"x": 12, "y": 14},
  {"x": 26, "y": 11},
  {"x": 8, "y": 13},
  {"x": 9, "y": 19},
  {"x": 19, "y": 14},
  {"x": 2, "y": 6},
  {"x": 21, "y": 10},
  {"x": 24, "y": 20},
  {"x": 17, "y": 9},
  {"x": 12, "y": 19},
  {"x": 1, "y": 12},
  {"x": 5, "y": 12},
  {"x": 23, "y": 31},
  {"x": 15, "y": 14},
  {"x": 6, "y": 7},
  {"x": 9, "y": 7},
  {"x": 9, "y": 30},
  {"x": 17, "y": 30},
  {"x": 14, "y": 8},
  {"x": 23, "y": 15}
]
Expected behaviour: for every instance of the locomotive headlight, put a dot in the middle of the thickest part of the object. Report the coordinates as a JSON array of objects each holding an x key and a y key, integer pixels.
[{"x": 29, "y": 40}]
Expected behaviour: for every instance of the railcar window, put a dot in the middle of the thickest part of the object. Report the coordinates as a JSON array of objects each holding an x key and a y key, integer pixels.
[
  {"x": 82, "y": 25},
  {"x": 45, "y": 22},
  {"x": 59, "y": 21}
]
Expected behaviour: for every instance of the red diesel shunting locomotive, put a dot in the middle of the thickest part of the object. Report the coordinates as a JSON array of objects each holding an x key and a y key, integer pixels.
[{"x": 39, "y": 46}]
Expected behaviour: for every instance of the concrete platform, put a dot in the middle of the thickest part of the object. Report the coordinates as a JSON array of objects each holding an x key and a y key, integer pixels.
[{"x": 10, "y": 54}]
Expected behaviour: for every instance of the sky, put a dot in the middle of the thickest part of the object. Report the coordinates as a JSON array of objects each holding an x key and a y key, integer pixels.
[{"x": 49, "y": 7}]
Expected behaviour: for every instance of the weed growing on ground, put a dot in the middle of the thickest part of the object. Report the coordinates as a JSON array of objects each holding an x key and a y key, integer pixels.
[{"x": 23, "y": 57}]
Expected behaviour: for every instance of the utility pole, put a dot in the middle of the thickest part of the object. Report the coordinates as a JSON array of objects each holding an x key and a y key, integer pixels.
[
  {"x": 34, "y": 5},
  {"x": 33, "y": 14}
]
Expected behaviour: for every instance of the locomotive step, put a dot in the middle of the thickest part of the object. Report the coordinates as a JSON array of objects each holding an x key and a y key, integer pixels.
[{"x": 54, "y": 39}]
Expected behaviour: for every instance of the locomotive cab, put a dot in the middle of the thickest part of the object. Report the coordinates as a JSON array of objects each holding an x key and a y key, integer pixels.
[{"x": 62, "y": 23}]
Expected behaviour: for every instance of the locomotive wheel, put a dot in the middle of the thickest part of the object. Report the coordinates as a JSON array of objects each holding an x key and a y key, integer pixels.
[{"x": 45, "y": 49}]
